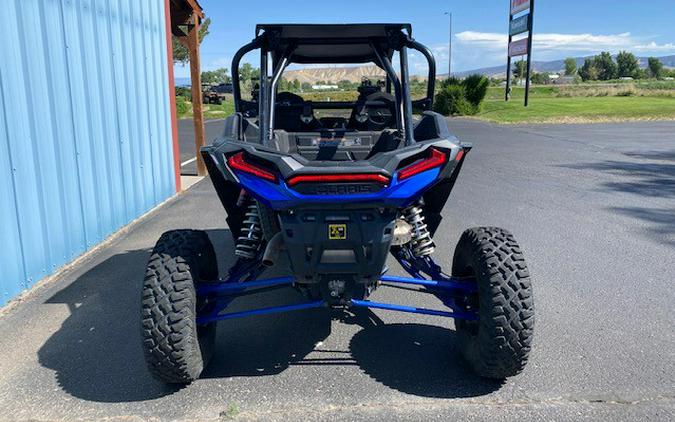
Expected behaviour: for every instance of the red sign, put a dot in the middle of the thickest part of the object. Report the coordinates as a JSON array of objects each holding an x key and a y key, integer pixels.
[
  {"x": 518, "y": 48},
  {"x": 519, "y": 6}
]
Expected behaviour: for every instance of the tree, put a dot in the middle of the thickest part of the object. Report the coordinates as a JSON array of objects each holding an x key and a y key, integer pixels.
[
  {"x": 642, "y": 73},
  {"x": 246, "y": 73},
  {"x": 180, "y": 52},
  {"x": 296, "y": 85},
  {"x": 655, "y": 67},
  {"x": 520, "y": 69},
  {"x": 215, "y": 77},
  {"x": 606, "y": 67},
  {"x": 627, "y": 65},
  {"x": 306, "y": 86},
  {"x": 570, "y": 66},
  {"x": 588, "y": 71},
  {"x": 540, "y": 78},
  {"x": 475, "y": 89},
  {"x": 344, "y": 85}
]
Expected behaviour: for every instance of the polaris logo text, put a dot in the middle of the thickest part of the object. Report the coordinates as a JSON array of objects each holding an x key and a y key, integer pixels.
[{"x": 343, "y": 189}]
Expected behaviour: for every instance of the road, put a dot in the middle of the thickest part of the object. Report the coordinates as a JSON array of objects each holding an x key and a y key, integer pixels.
[
  {"x": 186, "y": 142},
  {"x": 594, "y": 209}
]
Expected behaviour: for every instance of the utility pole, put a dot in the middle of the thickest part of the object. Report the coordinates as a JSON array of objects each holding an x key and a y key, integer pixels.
[{"x": 449, "y": 42}]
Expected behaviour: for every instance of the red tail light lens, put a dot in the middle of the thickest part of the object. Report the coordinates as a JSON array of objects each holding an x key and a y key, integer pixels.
[
  {"x": 237, "y": 162},
  {"x": 435, "y": 159},
  {"x": 338, "y": 178}
]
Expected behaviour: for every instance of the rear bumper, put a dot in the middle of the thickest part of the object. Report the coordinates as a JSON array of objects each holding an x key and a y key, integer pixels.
[{"x": 350, "y": 245}]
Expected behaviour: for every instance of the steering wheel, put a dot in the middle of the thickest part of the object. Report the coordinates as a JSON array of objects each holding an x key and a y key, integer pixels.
[{"x": 380, "y": 116}]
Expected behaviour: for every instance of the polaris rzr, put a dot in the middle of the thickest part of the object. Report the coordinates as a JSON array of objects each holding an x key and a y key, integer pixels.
[{"x": 335, "y": 194}]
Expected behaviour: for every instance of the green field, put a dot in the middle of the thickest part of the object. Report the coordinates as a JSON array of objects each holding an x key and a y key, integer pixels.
[
  {"x": 211, "y": 111},
  {"x": 578, "y": 109},
  {"x": 590, "y": 102}
]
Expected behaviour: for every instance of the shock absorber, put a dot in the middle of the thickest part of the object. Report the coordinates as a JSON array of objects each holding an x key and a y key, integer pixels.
[
  {"x": 421, "y": 242},
  {"x": 250, "y": 239}
]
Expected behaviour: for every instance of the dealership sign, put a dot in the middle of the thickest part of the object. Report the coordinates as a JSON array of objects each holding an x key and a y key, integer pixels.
[
  {"x": 519, "y": 25},
  {"x": 518, "y": 48},
  {"x": 519, "y": 6},
  {"x": 522, "y": 47}
]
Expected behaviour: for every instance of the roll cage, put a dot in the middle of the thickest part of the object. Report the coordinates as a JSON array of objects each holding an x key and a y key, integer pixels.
[{"x": 283, "y": 44}]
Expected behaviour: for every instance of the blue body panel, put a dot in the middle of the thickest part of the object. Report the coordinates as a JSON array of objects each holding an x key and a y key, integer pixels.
[{"x": 280, "y": 196}]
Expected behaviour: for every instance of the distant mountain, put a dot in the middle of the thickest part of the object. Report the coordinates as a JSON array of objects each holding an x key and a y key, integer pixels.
[
  {"x": 334, "y": 74},
  {"x": 553, "y": 66}
]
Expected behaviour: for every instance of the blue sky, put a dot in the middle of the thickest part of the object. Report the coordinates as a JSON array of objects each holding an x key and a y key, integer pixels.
[{"x": 562, "y": 27}]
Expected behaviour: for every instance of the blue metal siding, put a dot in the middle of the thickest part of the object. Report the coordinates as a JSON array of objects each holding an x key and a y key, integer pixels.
[{"x": 85, "y": 128}]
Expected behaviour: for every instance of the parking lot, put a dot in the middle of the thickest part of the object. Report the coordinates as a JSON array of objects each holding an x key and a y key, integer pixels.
[{"x": 593, "y": 207}]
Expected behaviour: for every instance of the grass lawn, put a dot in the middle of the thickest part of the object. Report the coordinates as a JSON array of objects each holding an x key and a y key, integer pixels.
[
  {"x": 211, "y": 111},
  {"x": 578, "y": 109}
]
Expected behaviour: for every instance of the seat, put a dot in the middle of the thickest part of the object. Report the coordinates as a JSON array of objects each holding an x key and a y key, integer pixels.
[
  {"x": 294, "y": 114},
  {"x": 374, "y": 112}
]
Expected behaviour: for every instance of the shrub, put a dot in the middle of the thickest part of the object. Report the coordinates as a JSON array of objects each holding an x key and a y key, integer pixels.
[
  {"x": 461, "y": 98},
  {"x": 475, "y": 88},
  {"x": 182, "y": 106},
  {"x": 184, "y": 92},
  {"x": 451, "y": 101},
  {"x": 450, "y": 81}
]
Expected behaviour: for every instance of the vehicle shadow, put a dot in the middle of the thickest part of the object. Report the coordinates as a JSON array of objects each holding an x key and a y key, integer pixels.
[
  {"x": 418, "y": 359},
  {"x": 650, "y": 175},
  {"x": 96, "y": 354},
  {"x": 280, "y": 340}
]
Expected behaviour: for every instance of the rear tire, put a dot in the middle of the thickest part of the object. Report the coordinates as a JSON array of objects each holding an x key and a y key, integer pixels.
[
  {"x": 176, "y": 348},
  {"x": 499, "y": 343}
]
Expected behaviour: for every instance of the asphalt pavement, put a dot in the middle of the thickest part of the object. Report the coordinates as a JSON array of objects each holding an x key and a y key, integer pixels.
[
  {"x": 593, "y": 207},
  {"x": 186, "y": 142}
]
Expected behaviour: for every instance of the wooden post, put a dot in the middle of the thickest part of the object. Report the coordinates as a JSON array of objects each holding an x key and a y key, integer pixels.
[
  {"x": 196, "y": 88},
  {"x": 172, "y": 96}
]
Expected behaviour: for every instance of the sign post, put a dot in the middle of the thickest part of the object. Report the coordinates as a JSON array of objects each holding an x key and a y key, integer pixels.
[{"x": 520, "y": 47}]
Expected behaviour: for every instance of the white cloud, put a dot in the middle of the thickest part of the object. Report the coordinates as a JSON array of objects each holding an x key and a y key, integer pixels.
[
  {"x": 652, "y": 46},
  {"x": 474, "y": 49},
  {"x": 564, "y": 42}
]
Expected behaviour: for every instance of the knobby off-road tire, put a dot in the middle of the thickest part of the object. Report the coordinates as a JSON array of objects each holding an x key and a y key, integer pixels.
[
  {"x": 498, "y": 345},
  {"x": 176, "y": 349}
]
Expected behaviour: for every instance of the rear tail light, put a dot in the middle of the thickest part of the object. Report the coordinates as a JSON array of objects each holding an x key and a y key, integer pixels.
[
  {"x": 237, "y": 162},
  {"x": 435, "y": 159},
  {"x": 338, "y": 178}
]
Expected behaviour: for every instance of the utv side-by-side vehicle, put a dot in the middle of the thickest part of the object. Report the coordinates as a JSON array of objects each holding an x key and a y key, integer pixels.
[{"x": 336, "y": 187}]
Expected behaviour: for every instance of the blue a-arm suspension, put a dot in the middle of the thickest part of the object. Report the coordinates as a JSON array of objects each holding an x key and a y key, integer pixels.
[{"x": 219, "y": 294}]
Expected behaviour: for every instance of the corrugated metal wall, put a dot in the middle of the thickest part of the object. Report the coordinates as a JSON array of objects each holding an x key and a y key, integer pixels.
[{"x": 85, "y": 129}]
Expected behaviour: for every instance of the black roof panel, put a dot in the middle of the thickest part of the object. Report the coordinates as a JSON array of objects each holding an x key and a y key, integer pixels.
[
  {"x": 336, "y": 31},
  {"x": 349, "y": 43}
]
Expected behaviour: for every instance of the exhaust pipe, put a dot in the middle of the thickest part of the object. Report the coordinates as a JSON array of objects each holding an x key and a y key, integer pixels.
[{"x": 272, "y": 250}]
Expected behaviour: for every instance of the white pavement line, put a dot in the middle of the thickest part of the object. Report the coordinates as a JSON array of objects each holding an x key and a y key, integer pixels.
[{"x": 186, "y": 162}]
